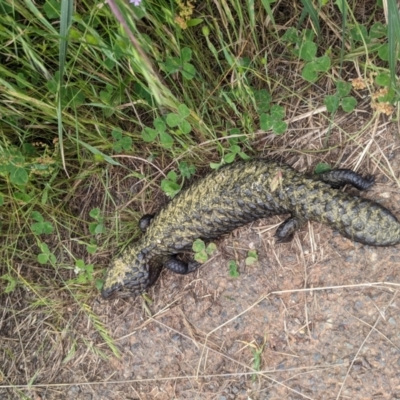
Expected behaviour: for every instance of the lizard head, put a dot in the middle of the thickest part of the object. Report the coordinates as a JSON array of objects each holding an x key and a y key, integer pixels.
[{"x": 130, "y": 275}]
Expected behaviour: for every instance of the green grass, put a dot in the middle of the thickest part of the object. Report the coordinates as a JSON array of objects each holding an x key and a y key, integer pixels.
[{"x": 99, "y": 106}]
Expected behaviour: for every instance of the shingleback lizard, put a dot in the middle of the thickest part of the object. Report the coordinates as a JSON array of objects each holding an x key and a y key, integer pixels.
[{"x": 236, "y": 195}]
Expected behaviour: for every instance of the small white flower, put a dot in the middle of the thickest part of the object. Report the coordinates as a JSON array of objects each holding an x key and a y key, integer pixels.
[
  {"x": 77, "y": 270},
  {"x": 135, "y": 2}
]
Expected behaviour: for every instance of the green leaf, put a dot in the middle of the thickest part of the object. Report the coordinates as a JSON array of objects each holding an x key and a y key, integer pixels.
[
  {"x": 215, "y": 165},
  {"x": 37, "y": 216},
  {"x": 1, "y": 199},
  {"x": 117, "y": 147},
  {"x": 244, "y": 63},
  {"x": 11, "y": 283},
  {"x": 201, "y": 257},
  {"x": 377, "y": 31},
  {"x": 194, "y": 22},
  {"x": 170, "y": 188},
  {"x": 95, "y": 213},
  {"x": 116, "y": 134},
  {"x": 233, "y": 140},
  {"x": 159, "y": 124},
  {"x": 321, "y": 168},
  {"x": 250, "y": 260},
  {"x": 74, "y": 97},
  {"x": 308, "y": 50},
  {"x": 99, "y": 283},
  {"x": 266, "y": 122},
  {"x": 244, "y": 156},
  {"x": 263, "y": 100},
  {"x": 186, "y": 54},
  {"x": 171, "y": 65},
  {"x": 309, "y": 73},
  {"x": 42, "y": 227},
  {"x": 277, "y": 112},
  {"x": 383, "y": 79},
  {"x": 19, "y": 176},
  {"x": 252, "y": 253},
  {"x": 105, "y": 97},
  {"x": 81, "y": 279},
  {"x": 47, "y": 227},
  {"x": 37, "y": 228},
  {"x": 211, "y": 248},
  {"x": 383, "y": 52},
  {"x": 29, "y": 150},
  {"x": 91, "y": 248},
  {"x": 343, "y": 88},
  {"x": 149, "y": 134},
  {"x": 279, "y": 127},
  {"x": 322, "y": 64},
  {"x": 100, "y": 228},
  {"x": 172, "y": 176},
  {"x": 198, "y": 245},
  {"x": 166, "y": 140},
  {"x": 43, "y": 258},
  {"x": 126, "y": 143},
  {"x": 173, "y": 120},
  {"x": 359, "y": 33},
  {"x": 52, "y": 9},
  {"x": 332, "y": 102},
  {"x": 188, "y": 71},
  {"x": 24, "y": 197},
  {"x": 186, "y": 170},
  {"x": 44, "y": 248},
  {"x": 234, "y": 131},
  {"x": 234, "y": 149},
  {"x": 291, "y": 35},
  {"x": 229, "y": 158},
  {"x": 233, "y": 271},
  {"x": 183, "y": 110},
  {"x": 89, "y": 269},
  {"x": 92, "y": 227},
  {"x": 349, "y": 103},
  {"x": 185, "y": 127}
]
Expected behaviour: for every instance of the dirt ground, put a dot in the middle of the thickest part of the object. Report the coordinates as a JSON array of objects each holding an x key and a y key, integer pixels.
[{"x": 316, "y": 318}]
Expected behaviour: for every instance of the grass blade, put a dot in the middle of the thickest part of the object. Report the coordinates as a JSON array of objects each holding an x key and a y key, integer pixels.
[
  {"x": 65, "y": 24},
  {"x": 393, "y": 37},
  {"x": 312, "y": 12}
]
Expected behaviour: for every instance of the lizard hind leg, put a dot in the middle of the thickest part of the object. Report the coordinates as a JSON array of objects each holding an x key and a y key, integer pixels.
[
  {"x": 180, "y": 267},
  {"x": 287, "y": 228}
]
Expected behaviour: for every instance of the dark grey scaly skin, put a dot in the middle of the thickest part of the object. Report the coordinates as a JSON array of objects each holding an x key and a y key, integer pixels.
[{"x": 236, "y": 195}]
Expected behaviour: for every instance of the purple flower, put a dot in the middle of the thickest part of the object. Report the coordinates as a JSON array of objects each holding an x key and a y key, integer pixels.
[{"x": 135, "y": 2}]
